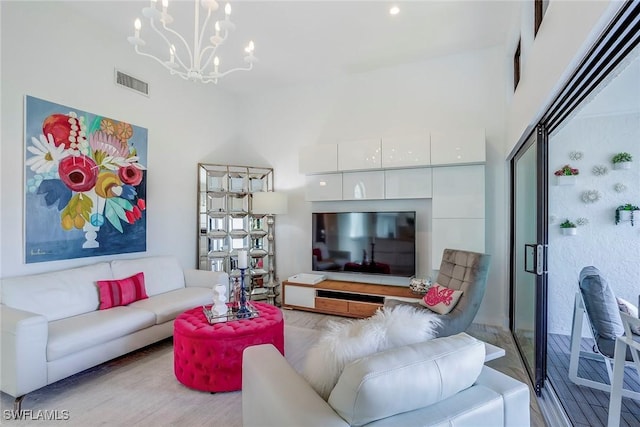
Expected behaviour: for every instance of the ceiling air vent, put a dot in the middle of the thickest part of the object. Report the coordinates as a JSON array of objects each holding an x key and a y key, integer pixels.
[{"x": 130, "y": 82}]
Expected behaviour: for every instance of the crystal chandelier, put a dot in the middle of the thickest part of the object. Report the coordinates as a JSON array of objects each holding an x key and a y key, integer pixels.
[{"x": 198, "y": 62}]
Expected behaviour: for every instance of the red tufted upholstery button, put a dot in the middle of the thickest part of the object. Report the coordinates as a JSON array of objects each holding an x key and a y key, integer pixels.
[{"x": 209, "y": 357}]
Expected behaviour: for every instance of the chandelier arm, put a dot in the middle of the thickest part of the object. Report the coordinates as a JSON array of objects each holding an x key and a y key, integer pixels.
[
  {"x": 235, "y": 69},
  {"x": 184, "y": 42},
  {"x": 215, "y": 48},
  {"x": 204, "y": 27},
  {"x": 181, "y": 74}
]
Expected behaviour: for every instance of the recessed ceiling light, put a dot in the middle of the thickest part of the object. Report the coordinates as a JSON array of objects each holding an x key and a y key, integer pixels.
[{"x": 394, "y": 10}]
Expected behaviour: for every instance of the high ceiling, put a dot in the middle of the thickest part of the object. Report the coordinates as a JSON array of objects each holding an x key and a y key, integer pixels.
[{"x": 307, "y": 41}]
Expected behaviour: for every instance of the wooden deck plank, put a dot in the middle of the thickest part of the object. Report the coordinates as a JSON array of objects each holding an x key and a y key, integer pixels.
[{"x": 586, "y": 406}]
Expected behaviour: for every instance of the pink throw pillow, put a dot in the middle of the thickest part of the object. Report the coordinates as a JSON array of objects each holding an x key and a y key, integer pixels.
[
  {"x": 114, "y": 293},
  {"x": 441, "y": 299}
]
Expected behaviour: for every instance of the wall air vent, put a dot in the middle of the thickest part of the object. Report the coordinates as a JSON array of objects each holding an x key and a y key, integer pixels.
[{"x": 130, "y": 82}]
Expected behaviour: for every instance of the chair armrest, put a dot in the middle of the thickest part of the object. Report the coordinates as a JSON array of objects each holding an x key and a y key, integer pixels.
[
  {"x": 274, "y": 394},
  {"x": 515, "y": 395},
  {"x": 204, "y": 278},
  {"x": 24, "y": 351}
]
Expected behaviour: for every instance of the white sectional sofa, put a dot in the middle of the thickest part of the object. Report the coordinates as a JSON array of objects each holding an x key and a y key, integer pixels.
[
  {"x": 442, "y": 382},
  {"x": 52, "y": 327}
]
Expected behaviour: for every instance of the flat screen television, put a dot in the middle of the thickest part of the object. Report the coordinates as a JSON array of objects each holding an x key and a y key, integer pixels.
[{"x": 364, "y": 242}]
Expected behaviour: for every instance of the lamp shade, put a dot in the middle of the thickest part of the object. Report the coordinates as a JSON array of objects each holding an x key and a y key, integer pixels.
[{"x": 269, "y": 203}]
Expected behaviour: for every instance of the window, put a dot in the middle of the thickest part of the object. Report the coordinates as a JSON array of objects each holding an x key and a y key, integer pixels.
[
  {"x": 540, "y": 7},
  {"x": 516, "y": 67}
]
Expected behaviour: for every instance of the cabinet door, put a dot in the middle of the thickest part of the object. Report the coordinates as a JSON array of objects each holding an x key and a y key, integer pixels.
[
  {"x": 457, "y": 147},
  {"x": 299, "y": 296},
  {"x": 408, "y": 151},
  {"x": 323, "y": 187},
  {"x": 456, "y": 233},
  {"x": 459, "y": 192},
  {"x": 363, "y": 185},
  {"x": 318, "y": 158},
  {"x": 407, "y": 183},
  {"x": 359, "y": 155}
]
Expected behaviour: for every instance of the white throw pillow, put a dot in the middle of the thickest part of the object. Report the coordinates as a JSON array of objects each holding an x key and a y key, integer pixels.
[
  {"x": 630, "y": 309},
  {"x": 345, "y": 342}
]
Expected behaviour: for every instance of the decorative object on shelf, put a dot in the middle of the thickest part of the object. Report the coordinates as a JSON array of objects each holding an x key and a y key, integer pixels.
[
  {"x": 622, "y": 161},
  {"x": 620, "y": 187},
  {"x": 575, "y": 155},
  {"x": 568, "y": 228},
  {"x": 270, "y": 204},
  {"x": 626, "y": 213},
  {"x": 591, "y": 196},
  {"x": 582, "y": 221},
  {"x": 420, "y": 286},
  {"x": 600, "y": 170},
  {"x": 219, "y": 306},
  {"x": 198, "y": 62},
  {"x": 566, "y": 175}
]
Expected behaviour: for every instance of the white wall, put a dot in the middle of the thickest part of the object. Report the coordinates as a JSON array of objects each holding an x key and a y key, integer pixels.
[
  {"x": 54, "y": 55},
  {"x": 568, "y": 30},
  {"x": 454, "y": 91},
  {"x": 613, "y": 249}
]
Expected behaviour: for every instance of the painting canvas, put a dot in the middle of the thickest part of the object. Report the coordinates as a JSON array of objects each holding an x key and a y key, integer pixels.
[{"x": 85, "y": 184}]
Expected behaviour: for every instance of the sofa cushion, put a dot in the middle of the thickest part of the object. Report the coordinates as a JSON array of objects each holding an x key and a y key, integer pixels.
[
  {"x": 73, "y": 334},
  {"x": 58, "y": 294},
  {"x": 118, "y": 292},
  {"x": 167, "y": 306},
  {"x": 161, "y": 273},
  {"x": 406, "y": 378}
]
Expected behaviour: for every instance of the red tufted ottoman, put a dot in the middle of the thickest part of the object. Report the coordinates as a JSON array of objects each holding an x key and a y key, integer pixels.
[{"x": 209, "y": 357}]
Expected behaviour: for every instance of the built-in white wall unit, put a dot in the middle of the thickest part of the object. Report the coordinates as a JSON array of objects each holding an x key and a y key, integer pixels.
[
  {"x": 458, "y": 209},
  {"x": 406, "y": 151},
  {"x": 318, "y": 158},
  {"x": 414, "y": 183},
  {"x": 455, "y": 146},
  {"x": 323, "y": 187},
  {"x": 363, "y": 185},
  {"x": 360, "y": 154},
  {"x": 458, "y": 192}
]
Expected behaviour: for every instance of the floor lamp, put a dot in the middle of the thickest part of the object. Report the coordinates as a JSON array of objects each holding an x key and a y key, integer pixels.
[{"x": 270, "y": 203}]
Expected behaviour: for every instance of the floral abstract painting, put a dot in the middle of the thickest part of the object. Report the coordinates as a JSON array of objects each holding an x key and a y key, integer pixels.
[{"x": 85, "y": 184}]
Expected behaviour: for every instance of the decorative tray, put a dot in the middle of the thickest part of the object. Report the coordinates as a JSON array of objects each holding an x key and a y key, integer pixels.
[{"x": 231, "y": 316}]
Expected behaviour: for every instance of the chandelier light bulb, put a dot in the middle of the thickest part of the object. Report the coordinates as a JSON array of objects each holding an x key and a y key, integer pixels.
[
  {"x": 394, "y": 10},
  {"x": 137, "y": 24},
  {"x": 227, "y": 10},
  {"x": 165, "y": 5},
  {"x": 250, "y": 47}
]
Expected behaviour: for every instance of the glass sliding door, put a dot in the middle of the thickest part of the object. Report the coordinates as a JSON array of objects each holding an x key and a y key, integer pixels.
[{"x": 528, "y": 254}]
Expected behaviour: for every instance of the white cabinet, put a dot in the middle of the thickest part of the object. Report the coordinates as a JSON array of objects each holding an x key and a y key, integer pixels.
[
  {"x": 323, "y": 187},
  {"x": 456, "y": 233},
  {"x": 363, "y": 185},
  {"x": 318, "y": 158},
  {"x": 407, "y": 183},
  {"x": 458, "y": 147},
  {"x": 459, "y": 191},
  {"x": 408, "y": 151},
  {"x": 299, "y": 296},
  {"x": 359, "y": 155}
]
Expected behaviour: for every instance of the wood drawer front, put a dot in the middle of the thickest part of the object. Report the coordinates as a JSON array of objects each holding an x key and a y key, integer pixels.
[
  {"x": 334, "y": 305},
  {"x": 363, "y": 309}
]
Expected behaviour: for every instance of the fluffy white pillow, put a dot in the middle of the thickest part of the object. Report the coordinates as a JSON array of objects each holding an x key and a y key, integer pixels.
[
  {"x": 630, "y": 309},
  {"x": 344, "y": 342}
]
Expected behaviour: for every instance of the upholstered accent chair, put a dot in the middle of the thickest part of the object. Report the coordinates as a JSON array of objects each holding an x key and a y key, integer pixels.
[
  {"x": 597, "y": 303},
  {"x": 460, "y": 270}
]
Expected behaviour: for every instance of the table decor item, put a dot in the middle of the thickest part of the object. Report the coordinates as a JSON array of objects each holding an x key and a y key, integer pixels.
[{"x": 420, "y": 286}]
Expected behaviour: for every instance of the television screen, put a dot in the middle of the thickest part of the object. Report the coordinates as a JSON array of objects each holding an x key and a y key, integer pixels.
[{"x": 364, "y": 242}]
